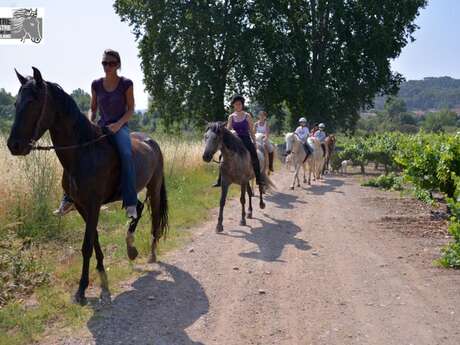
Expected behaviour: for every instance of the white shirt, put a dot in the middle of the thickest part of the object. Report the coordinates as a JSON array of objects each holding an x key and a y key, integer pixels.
[
  {"x": 320, "y": 135},
  {"x": 302, "y": 132},
  {"x": 261, "y": 128}
]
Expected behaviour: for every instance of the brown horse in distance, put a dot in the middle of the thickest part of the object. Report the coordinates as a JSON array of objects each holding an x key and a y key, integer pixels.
[
  {"x": 91, "y": 172},
  {"x": 329, "y": 142},
  {"x": 236, "y": 167}
]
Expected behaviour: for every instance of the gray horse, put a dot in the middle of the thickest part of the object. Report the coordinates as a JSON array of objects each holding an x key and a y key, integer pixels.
[{"x": 235, "y": 167}]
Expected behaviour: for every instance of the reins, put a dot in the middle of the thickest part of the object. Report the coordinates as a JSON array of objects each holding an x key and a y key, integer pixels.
[
  {"x": 69, "y": 147},
  {"x": 36, "y": 147}
]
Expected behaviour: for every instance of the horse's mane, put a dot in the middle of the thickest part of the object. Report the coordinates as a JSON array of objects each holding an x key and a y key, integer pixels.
[
  {"x": 85, "y": 129},
  {"x": 19, "y": 16},
  {"x": 230, "y": 141}
]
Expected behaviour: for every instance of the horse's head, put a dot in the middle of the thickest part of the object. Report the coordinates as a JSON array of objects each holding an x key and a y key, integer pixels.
[
  {"x": 31, "y": 27},
  {"x": 213, "y": 139},
  {"x": 32, "y": 118},
  {"x": 289, "y": 137},
  {"x": 332, "y": 139}
]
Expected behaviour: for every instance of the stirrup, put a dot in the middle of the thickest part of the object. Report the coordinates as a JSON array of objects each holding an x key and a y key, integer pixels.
[{"x": 134, "y": 221}]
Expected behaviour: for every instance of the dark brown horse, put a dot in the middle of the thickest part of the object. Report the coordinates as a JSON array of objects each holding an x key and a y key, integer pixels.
[
  {"x": 91, "y": 164},
  {"x": 329, "y": 142},
  {"x": 236, "y": 167}
]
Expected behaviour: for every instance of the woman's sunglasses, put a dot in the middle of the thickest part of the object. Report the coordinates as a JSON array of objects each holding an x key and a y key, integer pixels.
[{"x": 109, "y": 63}]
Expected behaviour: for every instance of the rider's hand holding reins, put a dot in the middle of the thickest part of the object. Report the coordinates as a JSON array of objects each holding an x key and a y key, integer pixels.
[{"x": 115, "y": 127}]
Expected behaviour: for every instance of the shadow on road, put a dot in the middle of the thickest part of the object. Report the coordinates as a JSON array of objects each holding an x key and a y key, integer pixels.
[
  {"x": 271, "y": 238},
  {"x": 327, "y": 186},
  {"x": 284, "y": 200},
  {"x": 157, "y": 311}
]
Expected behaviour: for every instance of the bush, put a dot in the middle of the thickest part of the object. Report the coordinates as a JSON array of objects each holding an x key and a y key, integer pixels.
[
  {"x": 20, "y": 270},
  {"x": 390, "y": 181},
  {"x": 451, "y": 252}
]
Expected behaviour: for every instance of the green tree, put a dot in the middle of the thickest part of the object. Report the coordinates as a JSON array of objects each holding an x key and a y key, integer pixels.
[
  {"x": 82, "y": 98},
  {"x": 395, "y": 107},
  {"x": 6, "y": 110},
  {"x": 328, "y": 58},
  {"x": 439, "y": 121},
  {"x": 194, "y": 54}
]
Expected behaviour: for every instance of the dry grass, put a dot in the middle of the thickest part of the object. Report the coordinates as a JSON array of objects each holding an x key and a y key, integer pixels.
[
  {"x": 181, "y": 155},
  {"x": 39, "y": 172},
  {"x": 20, "y": 177}
]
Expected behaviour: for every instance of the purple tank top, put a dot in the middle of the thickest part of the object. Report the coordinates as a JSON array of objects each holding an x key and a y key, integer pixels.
[
  {"x": 241, "y": 127},
  {"x": 111, "y": 105}
]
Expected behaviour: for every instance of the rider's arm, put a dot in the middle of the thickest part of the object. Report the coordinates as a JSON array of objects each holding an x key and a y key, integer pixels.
[
  {"x": 251, "y": 128},
  {"x": 129, "y": 105},
  {"x": 267, "y": 130},
  {"x": 229, "y": 123},
  {"x": 93, "y": 108}
]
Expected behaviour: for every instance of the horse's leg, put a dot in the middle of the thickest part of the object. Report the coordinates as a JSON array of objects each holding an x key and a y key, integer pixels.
[
  {"x": 304, "y": 172},
  {"x": 298, "y": 171},
  {"x": 223, "y": 197},
  {"x": 158, "y": 202},
  {"x": 250, "y": 194},
  {"x": 100, "y": 261},
  {"x": 105, "y": 292},
  {"x": 243, "y": 202},
  {"x": 92, "y": 216},
  {"x": 293, "y": 181},
  {"x": 131, "y": 249},
  {"x": 261, "y": 196}
]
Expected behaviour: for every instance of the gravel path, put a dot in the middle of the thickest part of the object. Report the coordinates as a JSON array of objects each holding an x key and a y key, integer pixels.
[{"x": 320, "y": 265}]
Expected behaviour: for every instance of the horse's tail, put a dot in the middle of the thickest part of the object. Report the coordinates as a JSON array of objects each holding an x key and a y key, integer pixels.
[
  {"x": 269, "y": 184},
  {"x": 158, "y": 204}
]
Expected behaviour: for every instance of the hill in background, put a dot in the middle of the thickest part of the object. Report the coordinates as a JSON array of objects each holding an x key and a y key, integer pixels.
[{"x": 428, "y": 94}]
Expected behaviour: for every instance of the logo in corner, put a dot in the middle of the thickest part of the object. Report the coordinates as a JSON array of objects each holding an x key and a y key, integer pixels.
[{"x": 21, "y": 25}]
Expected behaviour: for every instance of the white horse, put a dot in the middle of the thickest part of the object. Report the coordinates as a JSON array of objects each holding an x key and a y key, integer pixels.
[
  {"x": 315, "y": 161},
  {"x": 262, "y": 154}
]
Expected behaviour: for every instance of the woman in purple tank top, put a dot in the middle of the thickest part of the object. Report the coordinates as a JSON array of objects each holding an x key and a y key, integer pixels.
[
  {"x": 241, "y": 122},
  {"x": 113, "y": 96}
]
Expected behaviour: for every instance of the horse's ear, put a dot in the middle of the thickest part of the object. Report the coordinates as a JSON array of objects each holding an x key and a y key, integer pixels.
[
  {"x": 37, "y": 76},
  {"x": 22, "y": 79}
]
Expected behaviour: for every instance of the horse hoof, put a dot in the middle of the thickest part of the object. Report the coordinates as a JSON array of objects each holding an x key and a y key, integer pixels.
[
  {"x": 132, "y": 253},
  {"x": 262, "y": 205},
  {"x": 79, "y": 298},
  {"x": 242, "y": 222},
  {"x": 219, "y": 228},
  {"x": 105, "y": 297},
  {"x": 152, "y": 259},
  {"x": 249, "y": 216},
  {"x": 292, "y": 188}
]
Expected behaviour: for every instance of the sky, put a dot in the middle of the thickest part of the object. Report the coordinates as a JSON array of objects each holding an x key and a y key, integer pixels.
[{"x": 76, "y": 34}]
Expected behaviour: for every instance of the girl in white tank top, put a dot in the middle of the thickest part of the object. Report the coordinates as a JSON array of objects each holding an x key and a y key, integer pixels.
[{"x": 261, "y": 127}]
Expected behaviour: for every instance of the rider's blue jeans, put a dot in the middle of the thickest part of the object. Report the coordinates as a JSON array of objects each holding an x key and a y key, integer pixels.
[{"x": 122, "y": 142}]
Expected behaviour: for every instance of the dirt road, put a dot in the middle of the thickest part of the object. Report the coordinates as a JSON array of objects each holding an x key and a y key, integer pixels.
[{"x": 330, "y": 264}]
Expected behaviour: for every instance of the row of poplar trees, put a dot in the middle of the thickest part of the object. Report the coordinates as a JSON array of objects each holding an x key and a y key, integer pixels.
[{"x": 322, "y": 59}]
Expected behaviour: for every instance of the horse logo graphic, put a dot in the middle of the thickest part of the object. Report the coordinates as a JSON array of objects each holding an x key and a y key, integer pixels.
[{"x": 25, "y": 24}]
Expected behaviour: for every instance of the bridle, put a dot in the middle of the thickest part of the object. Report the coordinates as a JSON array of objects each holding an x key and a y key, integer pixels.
[{"x": 37, "y": 131}]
